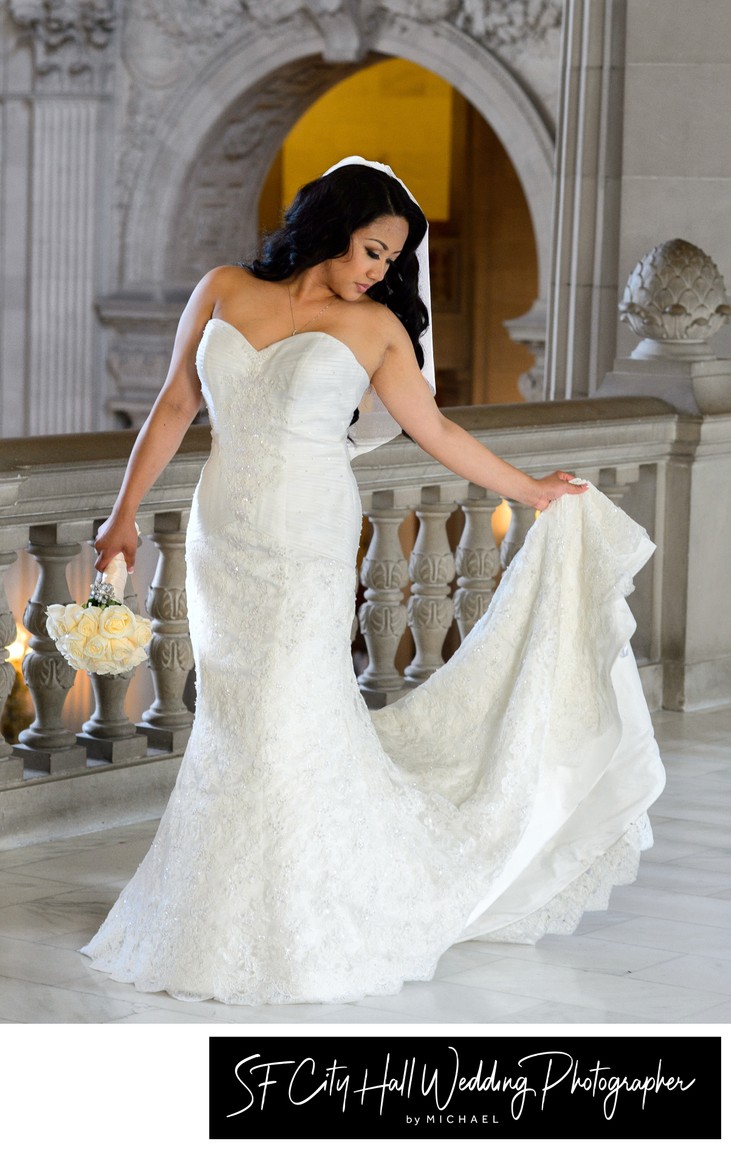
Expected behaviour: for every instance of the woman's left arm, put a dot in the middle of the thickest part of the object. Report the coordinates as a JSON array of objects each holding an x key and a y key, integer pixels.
[{"x": 399, "y": 384}]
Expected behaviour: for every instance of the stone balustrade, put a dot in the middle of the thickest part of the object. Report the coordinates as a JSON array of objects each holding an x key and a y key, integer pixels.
[
  {"x": 624, "y": 447},
  {"x": 429, "y": 568}
]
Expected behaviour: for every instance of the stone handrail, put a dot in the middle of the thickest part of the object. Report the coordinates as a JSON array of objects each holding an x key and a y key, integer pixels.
[{"x": 55, "y": 491}]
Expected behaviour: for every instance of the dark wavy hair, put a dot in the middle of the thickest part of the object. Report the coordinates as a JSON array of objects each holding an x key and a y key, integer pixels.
[{"x": 319, "y": 224}]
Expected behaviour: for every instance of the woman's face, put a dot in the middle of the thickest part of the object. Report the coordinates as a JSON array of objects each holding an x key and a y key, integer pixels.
[{"x": 373, "y": 249}]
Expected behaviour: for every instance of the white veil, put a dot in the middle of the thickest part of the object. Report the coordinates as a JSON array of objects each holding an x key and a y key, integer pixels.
[{"x": 375, "y": 425}]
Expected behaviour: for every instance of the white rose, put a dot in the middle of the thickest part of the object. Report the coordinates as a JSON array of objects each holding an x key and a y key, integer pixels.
[
  {"x": 72, "y": 614},
  {"x": 72, "y": 645},
  {"x": 61, "y": 618},
  {"x": 117, "y": 622},
  {"x": 87, "y": 624},
  {"x": 143, "y": 632},
  {"x": 55, "y": 625},
  {"x": 122, "y": 649},
  {"x": 97, "y": 648}
]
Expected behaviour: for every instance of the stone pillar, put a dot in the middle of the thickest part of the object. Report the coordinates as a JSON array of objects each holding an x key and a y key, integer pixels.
[
  {"x": 108, "y": 733},
  {"x": 47, "y": 745},
  {"x": 695, "y": 560},
  {"x": 61, "y": 383},
  {"x": 168, "y": 721},
  {"x": 521, "y": 521},
  {"x": 68, "y": 82},
  {"x": 477, "y": 562},
  {"x": 382, "y": 616},
  {"x": 674, "y": 302},
  {"x": 581, "y": 336},
  {"x": 11, "y": 770},
  {"x": 430, "y": 609}
]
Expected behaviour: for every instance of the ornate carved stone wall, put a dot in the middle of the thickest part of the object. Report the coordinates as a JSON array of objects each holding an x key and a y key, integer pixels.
[
  {"x": 152, "y": 126},
  {"x": 52, "y": 361},
  {"x": 217, "y": 207}
]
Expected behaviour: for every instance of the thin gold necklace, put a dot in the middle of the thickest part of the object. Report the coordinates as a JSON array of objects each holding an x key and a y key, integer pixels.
[{"x": 296, "y": 330}]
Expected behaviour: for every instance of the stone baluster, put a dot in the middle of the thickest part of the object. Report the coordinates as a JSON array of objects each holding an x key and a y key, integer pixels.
[
  {"x": 47, "y": 745},
  {"x": 521, "y": 521},
  {"x": 615, "y": 482},
  {"x": 11, "y": 769},
  {"x": 382, "y": 616},
  {"x": 430, "y": 609},
  {"x": 477, "y": 562},
  {"x": 168, "y": 721},
  {"x": 108, "y": 733}
]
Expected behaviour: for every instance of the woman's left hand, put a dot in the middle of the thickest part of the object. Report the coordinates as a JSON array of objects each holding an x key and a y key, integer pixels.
[{"x": 552, "y": 487}]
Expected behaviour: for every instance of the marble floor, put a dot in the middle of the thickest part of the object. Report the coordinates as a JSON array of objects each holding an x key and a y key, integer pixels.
[{"x": 660, "y": 954}]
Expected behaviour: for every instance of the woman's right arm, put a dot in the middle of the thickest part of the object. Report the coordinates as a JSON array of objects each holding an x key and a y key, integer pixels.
[{"x": 174, "y": 409}]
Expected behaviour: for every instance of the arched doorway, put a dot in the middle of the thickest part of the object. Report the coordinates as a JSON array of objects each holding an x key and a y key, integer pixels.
[
  {"x": 194, "y": 201},
  {"x": 482, "y": 248}
]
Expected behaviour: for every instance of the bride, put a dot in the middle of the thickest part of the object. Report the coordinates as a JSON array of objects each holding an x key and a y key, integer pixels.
[{"x": 312, "y": 851}]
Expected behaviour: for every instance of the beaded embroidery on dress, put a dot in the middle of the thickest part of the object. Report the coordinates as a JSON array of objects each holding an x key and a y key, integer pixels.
[{"x": 313, "y": 851}]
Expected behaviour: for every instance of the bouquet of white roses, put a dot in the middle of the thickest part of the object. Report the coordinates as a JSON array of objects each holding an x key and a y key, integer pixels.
[{"x": 101, "y": 636}]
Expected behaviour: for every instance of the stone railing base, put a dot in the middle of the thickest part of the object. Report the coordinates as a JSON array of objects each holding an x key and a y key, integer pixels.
[{"x": 42, "y": 809}]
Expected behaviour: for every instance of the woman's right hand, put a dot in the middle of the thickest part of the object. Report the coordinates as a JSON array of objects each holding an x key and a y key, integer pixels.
[{"x": 116, "y": 536}]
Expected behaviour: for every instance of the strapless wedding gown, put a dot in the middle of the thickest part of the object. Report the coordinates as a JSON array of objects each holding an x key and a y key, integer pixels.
[{"x": 313, "y": 851}]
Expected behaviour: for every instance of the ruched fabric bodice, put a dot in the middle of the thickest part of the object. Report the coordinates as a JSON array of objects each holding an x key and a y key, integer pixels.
[
  {"x": 280, "y": 417},
  {"x": 312, "y": 850}
]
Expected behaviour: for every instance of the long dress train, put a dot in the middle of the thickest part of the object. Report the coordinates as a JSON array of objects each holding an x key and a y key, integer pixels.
[{"x": 313, "y": 851}]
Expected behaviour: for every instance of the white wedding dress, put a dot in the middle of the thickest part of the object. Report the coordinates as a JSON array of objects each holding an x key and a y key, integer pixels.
[{"x": 312, "y": 851}]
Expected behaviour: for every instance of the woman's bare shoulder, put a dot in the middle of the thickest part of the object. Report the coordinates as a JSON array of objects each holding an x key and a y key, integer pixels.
[
  {"x": 375, "y": 333},
  {"x": 376, "y": 317},
  {"x": 387, "y": 326},
  {"x": 228, "y": 277}
]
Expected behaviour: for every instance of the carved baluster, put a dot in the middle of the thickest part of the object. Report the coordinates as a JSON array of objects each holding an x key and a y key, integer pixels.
[
  {"x": 11, "y": 769},
  {"x": 47, "y": 745},
  {"x": 477, "y": 562},
  {"x": 382, "y": 616},
  {"x": 168, "y": 721},
  {"x": 615, "y": 491},
  {"x": 615, "y": 482},
  {"x": 521, "y": 521},
  {"x": 109, "y": 734},
  {"x": 430, "y": 609}
]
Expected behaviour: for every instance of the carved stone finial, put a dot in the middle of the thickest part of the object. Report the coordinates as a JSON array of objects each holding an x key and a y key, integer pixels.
[{"x": 675, "y": 300}]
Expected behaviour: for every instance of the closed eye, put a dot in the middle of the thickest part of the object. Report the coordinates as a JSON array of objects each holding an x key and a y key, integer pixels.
[{"x": 377, "y": 255}]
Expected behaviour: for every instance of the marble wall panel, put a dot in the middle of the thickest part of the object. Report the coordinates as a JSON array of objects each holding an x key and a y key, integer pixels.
[{"x": 680, "y": 31}]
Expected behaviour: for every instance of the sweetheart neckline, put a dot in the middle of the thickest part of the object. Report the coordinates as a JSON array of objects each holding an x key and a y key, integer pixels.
[{"x": 286, "y": 339}]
